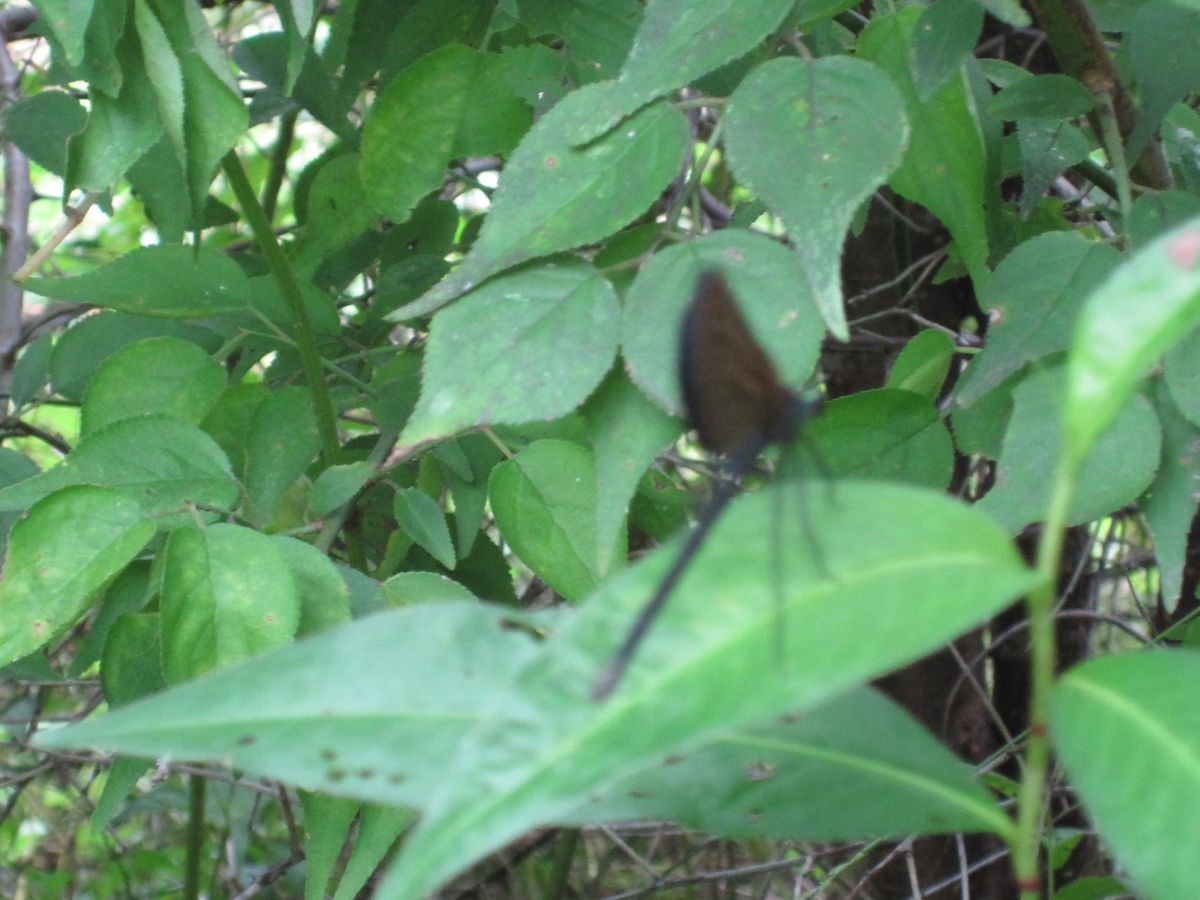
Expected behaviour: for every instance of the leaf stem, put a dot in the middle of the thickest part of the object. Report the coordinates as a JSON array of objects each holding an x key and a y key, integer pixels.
[
  {"x": 195, "y": 837},
  {"x": 279, "y": 158},
  {"x": 1040, "y": 607},
  {"x": 306, "y": 341}
]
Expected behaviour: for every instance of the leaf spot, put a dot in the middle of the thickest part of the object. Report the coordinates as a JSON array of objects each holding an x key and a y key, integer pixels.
[{"x": 1185, "y": 249}]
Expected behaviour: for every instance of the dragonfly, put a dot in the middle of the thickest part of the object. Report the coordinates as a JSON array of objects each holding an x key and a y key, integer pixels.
[{"x": 738, "y": 406}]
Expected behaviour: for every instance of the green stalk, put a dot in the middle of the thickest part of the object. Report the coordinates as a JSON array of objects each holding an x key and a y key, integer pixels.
[
  {"x": 1040, "y": 606},
  {"x": 279, "y": 157},
  {"x": 306, "y": 340},
  {"x": 195, "y": 837},
  {"x": 561, "y": 858}
]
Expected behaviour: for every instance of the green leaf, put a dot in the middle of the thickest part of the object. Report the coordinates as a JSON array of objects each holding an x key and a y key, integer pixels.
[
  {"x": 231, "y": 419},
  {"x": 423, "y": 520},
  {"x": 530, "y": 345},
  {"x": 157, "y": 179},
  {"x": 1007, "y": 11},
  {"x": 1148, "y": 303},
  {"x": 168, "y": 281},
  {"x": 378, "y": 830},
  {"x": 327, "y": 823},
  {"x": 14, "y": 467},
  {"x": 883, "y": 434},
  {"x": 469, "y": 489},
  {"x": 207, "y": 117},
  {"x": 730, "y": 650},
  {"x": 63, "y": 553},
  {"x": 122, "y": 124},
  {"x": 536, "y": 74},
  {"x": 1034, "y": 296},
  {"x": 227, "y": 594},
  {"x": 131, "y": 666},
  {"x": 449, "y": 103},
  {"x": 628, "y": 431},
  {"x": 923, "y": 364},
  {"x": 265, "y": 58},
  {"x": 281, "y": 443},
  {"x": 1118, "y": 468},
  {"x": 337, "y": 212},
  {"x": 766, "y": 278},
  {"x": 1127, "y": 728},
  {"x": 165, "y": 464},
  {"x": 1043, "y": 97},
  {"x": 1154, "y": 213},
  {"x": 165, "y": 375},
  {"x": 68, "y": 21},
  {"x": 1181, "y": 369},
  {"x": 676, "y": 43},
  {"x": 1169, "y": 505},
  {"x": 336, "y": 485},
  {"x": 78, "y": 353},
  {"x": 32, "y": 370},
  {"x": 813, "y": 12},
  {"x": 353, "y": 711},
  {"x": 324, "y": 595},
  {"x": 821, "y": 134},
  {"x": 945, "y": 35},
  {"x": 945, "y": 167},
  {"x": 298, "y": 17},
  {"x": 544, "y": 500},
  {"x": 42, "y": 125},
  {"x": 121, "y": 778},
  {"x": 1160, "y": 34},
  {"x": 423, "y": 587},
  {"x": 1048, "y": 148},
  {"x": 862, "y": 765},
  {"x": 598, "y": 33},
  {"x": 128, "y": 594},
  {"x": 553, "y": 196}
]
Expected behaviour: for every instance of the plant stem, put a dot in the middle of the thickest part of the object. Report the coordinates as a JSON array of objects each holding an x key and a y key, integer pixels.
[
  {"x": 306, "y": 340},
  {"x": 279, "y": 158},
  {"x": 195, "y": 837},
  {"x": 560, "y": 871},
  {"x": 1040, "y": 607}
]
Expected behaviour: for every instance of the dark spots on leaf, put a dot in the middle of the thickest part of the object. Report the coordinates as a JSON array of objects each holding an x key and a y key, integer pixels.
[
  {"x": 397, "y": 778},
  {"x": 247, "y": 739},
  {"x": 328, "y": 755},
  {"x": 336, "y": 774},
  {"x": 788, "y": 719},
  {"x": 366, "y": 774},
  {"x": 673, "y": 760},
  {"x": 755, "y": 815},
  {"x": 640, "y": 795}
]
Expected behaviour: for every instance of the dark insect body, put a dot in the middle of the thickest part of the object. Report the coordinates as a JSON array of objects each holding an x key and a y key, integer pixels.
[{"x": 736, "y": 402}]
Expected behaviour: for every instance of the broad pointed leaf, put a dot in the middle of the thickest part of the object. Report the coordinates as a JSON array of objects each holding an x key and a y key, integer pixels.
[{"x": 816, "y": 135}]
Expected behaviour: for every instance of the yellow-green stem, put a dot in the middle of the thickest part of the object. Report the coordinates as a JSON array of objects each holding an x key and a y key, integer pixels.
[
  {"x": 306, "y": 341},
  {"x": 1040, "y": 606}
]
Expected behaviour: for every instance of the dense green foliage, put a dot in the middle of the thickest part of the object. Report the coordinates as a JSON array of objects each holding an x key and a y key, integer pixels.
[{"x": 344, "y": 420}]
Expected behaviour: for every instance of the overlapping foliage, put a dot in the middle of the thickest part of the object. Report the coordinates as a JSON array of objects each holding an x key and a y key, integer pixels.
[{"x": 348, "y": 412}]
